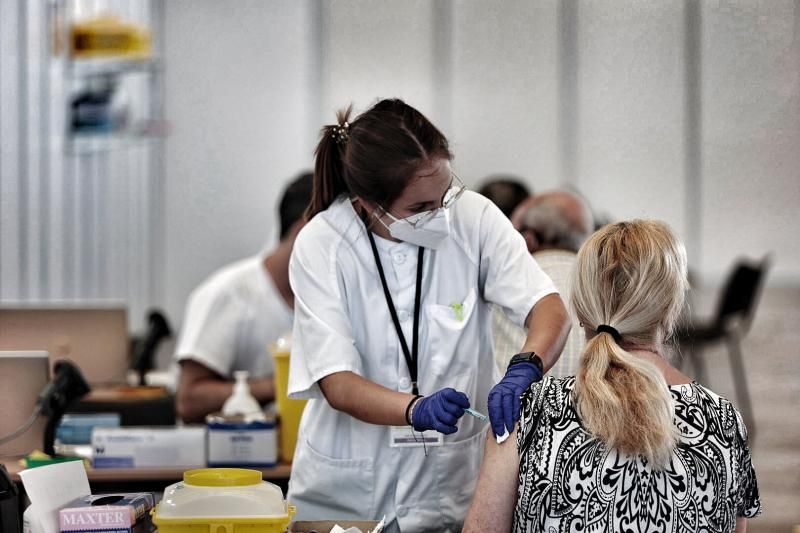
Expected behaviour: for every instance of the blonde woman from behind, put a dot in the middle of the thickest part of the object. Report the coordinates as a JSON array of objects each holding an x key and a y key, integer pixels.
[{"x": 630, "y": 443}]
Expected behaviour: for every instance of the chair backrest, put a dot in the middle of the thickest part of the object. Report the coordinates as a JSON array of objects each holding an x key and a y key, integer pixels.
[{"x": 742, "y": 292}]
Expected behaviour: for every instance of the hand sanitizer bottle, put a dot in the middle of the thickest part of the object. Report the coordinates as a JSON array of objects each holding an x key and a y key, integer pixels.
[
  {"x": 243, "y": 436},
  {"x": 241, "y": 402}
]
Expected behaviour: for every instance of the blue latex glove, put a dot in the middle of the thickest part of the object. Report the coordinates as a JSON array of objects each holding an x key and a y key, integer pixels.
[
  {"x": 504, "y": 397},
  {"x": 440, "y": 411}
]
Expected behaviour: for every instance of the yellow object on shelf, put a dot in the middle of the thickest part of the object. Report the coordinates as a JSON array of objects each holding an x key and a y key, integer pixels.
[
  {"x": 109, "y": 36},
  {"x": 222, "y": 500},
  {"x": 289, "y": 410}
]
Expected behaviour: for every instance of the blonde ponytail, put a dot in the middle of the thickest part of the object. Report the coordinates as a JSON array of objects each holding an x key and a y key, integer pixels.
[
  {"x": 631, "y": 276},
  {"x": 624, "y": 401}
]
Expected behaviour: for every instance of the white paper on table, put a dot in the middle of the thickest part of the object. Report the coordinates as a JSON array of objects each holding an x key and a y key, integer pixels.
[
  {"x": 51, "y": 487},
  {"x": 339, "y": 529},
  {"x": 380, "y": 526}
]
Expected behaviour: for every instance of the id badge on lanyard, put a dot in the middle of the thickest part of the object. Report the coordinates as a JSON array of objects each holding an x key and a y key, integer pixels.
[{"x": 406, "y": 437}]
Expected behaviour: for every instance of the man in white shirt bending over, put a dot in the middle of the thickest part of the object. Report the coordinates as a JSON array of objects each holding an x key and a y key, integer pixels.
[{"x": 233, "y": 316}]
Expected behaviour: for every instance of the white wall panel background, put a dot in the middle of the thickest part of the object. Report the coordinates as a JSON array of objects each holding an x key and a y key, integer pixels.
[
  {"x": 505, "y": 90},
  {"x": 373, "y": 50},
  {"x": 751, "y": 141},
  {"x": 629, "y": 139},
  {"x": 242, "y": 94},
  {"x": 683, "y": 110},
  {"x": 78, "y": 221}
]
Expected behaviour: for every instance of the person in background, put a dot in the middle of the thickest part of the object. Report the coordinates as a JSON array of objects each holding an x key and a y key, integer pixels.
[
  {"x": 630, "y": 443},
  {"x": 505, "y": 191},
  {"x": 233, "y": 316},
  {"x": 554, "y": 224},
  {"x": 393, "y": 277}
]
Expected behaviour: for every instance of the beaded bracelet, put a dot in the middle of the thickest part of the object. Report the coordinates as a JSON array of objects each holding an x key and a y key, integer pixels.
[{"x": 410, "y": 409}]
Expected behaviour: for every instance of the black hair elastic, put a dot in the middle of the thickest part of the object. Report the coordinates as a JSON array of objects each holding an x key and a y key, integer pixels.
[{"x": 603, "y": 328}]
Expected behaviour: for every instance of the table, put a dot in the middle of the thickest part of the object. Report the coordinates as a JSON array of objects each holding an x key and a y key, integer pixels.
[
  {"x": 148, "y": 479},
  {"x": 139, "y": 479}
]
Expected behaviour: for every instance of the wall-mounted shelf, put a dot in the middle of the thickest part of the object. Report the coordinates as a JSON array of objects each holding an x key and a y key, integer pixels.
[
  {"x": 90, "y": 143},
  {"x": 85, "y": 67}
]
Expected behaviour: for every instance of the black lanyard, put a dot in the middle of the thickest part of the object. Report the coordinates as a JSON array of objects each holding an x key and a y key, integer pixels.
[{"x": 412, "y": 356}]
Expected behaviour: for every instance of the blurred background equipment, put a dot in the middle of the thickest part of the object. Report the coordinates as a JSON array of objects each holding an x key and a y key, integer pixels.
[
  {"x": 95, "y": 338},
  {"x": 23, "y": 375},
  {"x": 107, "y": 35},
  {"x": 730, "y": 323},
  {"x": 67, "y": 386},
  {"x": 144, "y": 351},
  {"x": 9, "y": 504},
  {"x": 100, "y": 106},
  {"x": 289, "y": 410}
]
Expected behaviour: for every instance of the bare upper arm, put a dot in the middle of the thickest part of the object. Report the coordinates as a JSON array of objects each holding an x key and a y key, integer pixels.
[
  {"x": 495, "y": 496},
  {"x": 741, "y": 524}
]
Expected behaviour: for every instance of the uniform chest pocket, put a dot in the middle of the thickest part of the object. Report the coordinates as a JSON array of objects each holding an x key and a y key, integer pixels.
[
  {"x": 447, "y": 332},
  {"x": 453, "y": 316}
]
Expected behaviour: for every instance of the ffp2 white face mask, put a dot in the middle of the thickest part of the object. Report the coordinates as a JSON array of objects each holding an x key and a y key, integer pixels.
[{"x": 429, "y": 233}]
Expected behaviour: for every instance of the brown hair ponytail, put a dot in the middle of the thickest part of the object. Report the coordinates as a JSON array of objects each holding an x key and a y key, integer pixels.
[
  {"x": 375, "y": 155},
  {"x": 328, "y": 167}
]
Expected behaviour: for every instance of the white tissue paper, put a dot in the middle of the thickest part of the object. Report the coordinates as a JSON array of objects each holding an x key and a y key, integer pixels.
[
  {"x": 339, "y": 529},
  {"x": 502, "y": 438},
  {"x": 49, "y": 488}
]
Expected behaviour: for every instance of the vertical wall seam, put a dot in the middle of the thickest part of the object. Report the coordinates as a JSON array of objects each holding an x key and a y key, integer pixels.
[
  {"x": 23, "y": 171},
  {"x": 324, "y": 73},
  {"x": 158, "y": 162},
  {"x": 315, "y": 118},
  {"x": 44, "y": 168},
  {"x": 442, "y": 64},
  {"x": 2, "y": 177},
  {"x": 693, "y": 130},
  {"x": 568, "y": 90}
]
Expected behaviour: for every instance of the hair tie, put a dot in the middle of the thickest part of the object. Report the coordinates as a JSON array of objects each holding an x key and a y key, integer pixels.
[
  {"x": 341, "y": 133},
  {"x": 603, "y": 328}
]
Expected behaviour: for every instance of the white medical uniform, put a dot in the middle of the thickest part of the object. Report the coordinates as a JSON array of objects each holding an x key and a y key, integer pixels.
[
  {"x": 344, "y": 468},
  {"x": 232, "y": 317}
]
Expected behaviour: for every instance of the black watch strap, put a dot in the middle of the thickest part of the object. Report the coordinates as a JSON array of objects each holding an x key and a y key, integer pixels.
[{"x": 527, "y": 357}]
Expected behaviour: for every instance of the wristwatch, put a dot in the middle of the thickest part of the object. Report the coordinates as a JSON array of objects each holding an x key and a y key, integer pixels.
[{"x": 527, "y": 357}]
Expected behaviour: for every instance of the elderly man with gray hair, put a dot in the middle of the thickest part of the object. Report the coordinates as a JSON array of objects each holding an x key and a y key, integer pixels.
[{"x": 554, "y": 224}]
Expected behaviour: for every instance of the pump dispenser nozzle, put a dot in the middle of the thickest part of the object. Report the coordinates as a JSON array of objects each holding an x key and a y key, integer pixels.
[{"x": 241, "y": 402}]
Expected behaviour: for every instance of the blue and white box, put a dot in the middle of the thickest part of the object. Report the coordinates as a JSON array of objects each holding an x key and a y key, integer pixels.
[
  {"x": 232, "y": 442},
  {"x": 149, "y": 447}
]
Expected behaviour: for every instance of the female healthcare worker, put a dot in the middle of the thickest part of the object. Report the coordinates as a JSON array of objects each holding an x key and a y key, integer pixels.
[{"x": 393, "y": 276}]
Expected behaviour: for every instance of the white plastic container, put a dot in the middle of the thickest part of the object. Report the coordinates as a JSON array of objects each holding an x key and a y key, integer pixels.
[{"x": 224, "y": 500}]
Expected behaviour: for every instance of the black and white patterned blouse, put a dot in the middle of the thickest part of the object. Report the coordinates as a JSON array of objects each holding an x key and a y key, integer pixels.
[{"x": 570, "y": 481}]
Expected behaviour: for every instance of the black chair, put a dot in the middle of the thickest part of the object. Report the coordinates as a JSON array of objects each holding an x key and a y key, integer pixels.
[{"x": 730, "y": 324}]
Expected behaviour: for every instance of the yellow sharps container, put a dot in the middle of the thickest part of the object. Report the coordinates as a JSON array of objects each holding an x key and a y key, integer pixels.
[
  {"x": 223, "y": 500},
  {"x": 289, "y": 411}
]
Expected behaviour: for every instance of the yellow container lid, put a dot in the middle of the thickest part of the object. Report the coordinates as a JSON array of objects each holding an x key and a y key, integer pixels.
[{"x": 222, "y": 477}]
